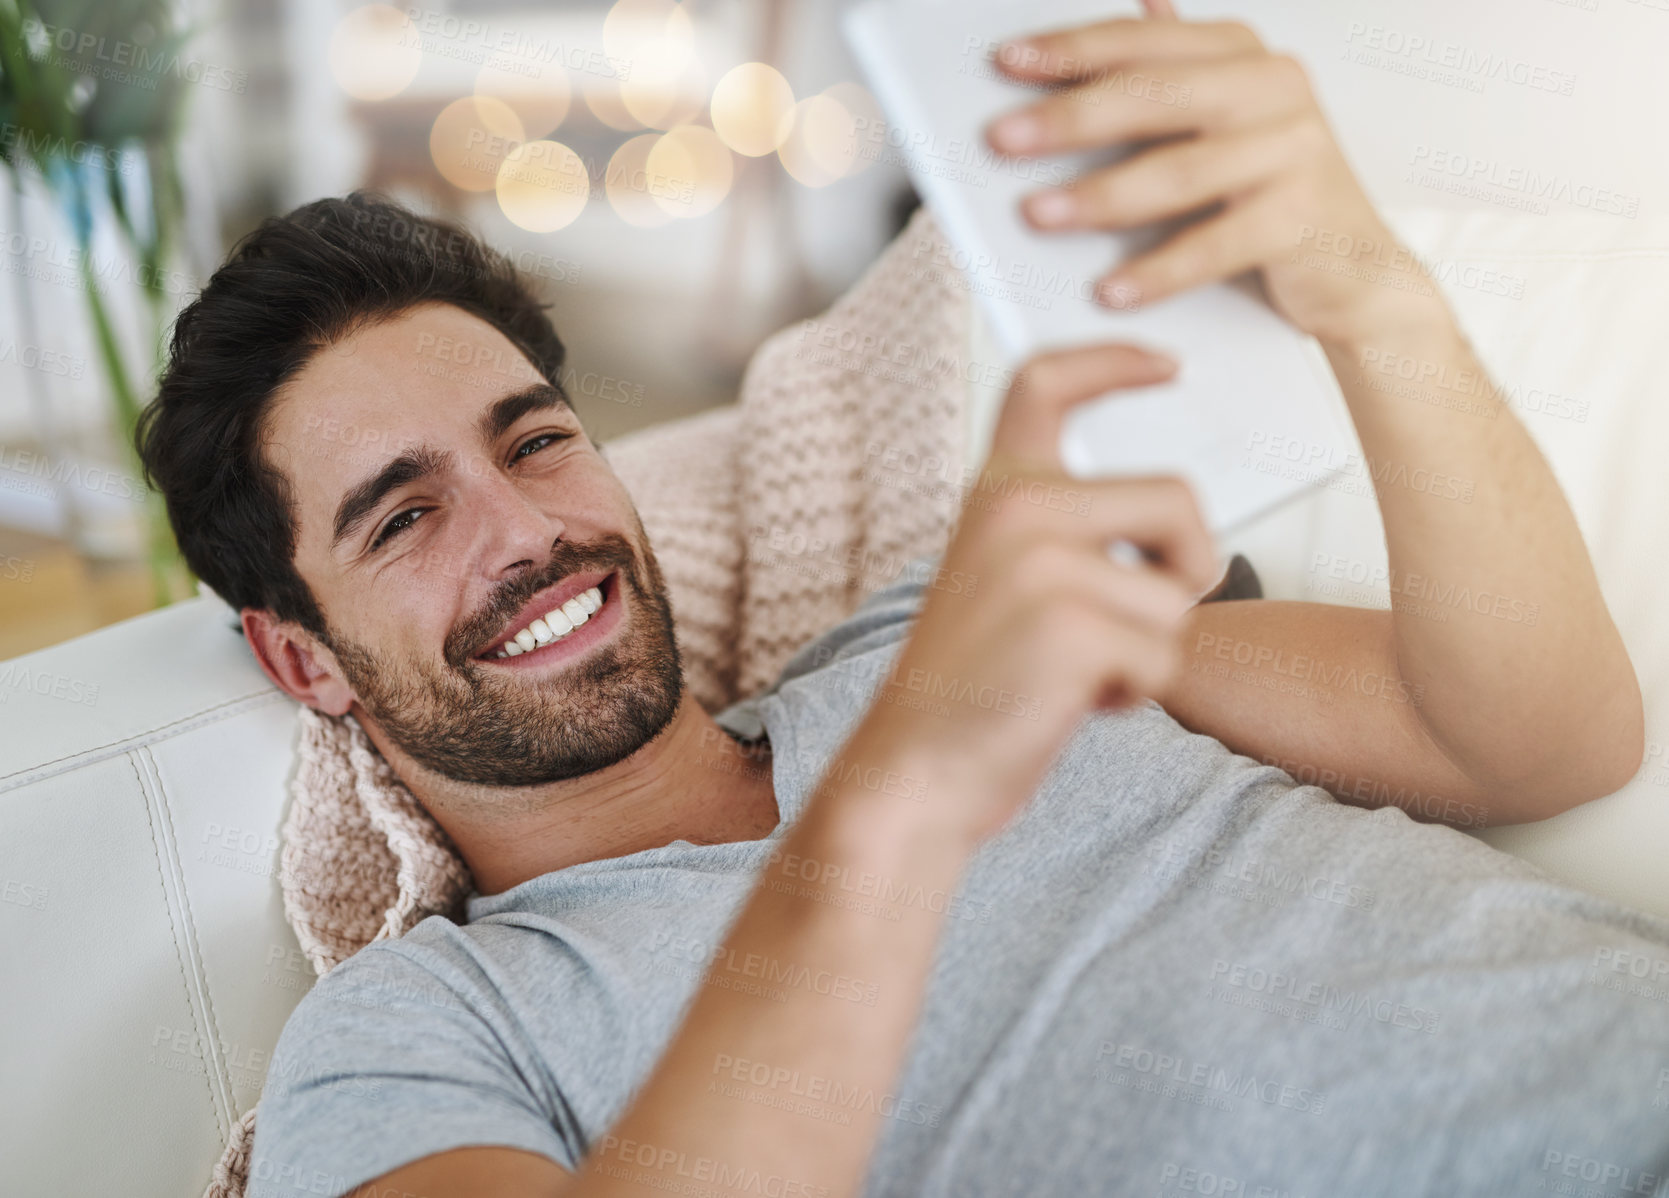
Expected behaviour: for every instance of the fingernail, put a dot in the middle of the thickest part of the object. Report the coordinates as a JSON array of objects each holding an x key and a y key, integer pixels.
[
  {"x": 1119, "y": 293},
  {"x": 1161, "y": 359},
  {"x": 1017, "y": 132},
  {"x": 1050, "y": 208}
]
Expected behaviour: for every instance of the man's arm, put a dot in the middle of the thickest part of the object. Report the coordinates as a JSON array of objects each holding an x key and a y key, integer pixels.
[
  {"x": 1497, "y": 688},
  {"x": 908, "y": 799},
  {"x": 1518, "y": 700}
]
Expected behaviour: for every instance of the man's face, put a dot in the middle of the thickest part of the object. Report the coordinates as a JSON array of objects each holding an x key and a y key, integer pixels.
[{"x": 446, "y": 498}]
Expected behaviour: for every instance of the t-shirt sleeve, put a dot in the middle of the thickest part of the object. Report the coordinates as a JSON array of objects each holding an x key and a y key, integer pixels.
[{"x": 387, "y": 1061}]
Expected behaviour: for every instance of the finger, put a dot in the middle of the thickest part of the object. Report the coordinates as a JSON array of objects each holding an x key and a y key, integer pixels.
[
  {"x": 1082, "y": 53},
  {"x": 1244, "y": 236},
  {"x": 1161, "y": 516},
  {"x": 1153, "y": 100},
  {"x": 1142, "y": 595},
  {"x": 1161, "y": 10},
  {"x": 1132, "y": 663},
  {"x": 1050, "y": 384},
  {"x": 1158, "y": 514},
  {"x": 1176, "y": 178}
]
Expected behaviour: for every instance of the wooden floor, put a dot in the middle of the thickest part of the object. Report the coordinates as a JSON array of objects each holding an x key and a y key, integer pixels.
[{"x": 50, "y": 593}]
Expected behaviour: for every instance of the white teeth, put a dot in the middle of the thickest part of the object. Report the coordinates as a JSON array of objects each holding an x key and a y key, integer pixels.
[{"x": 554, "y": 626}]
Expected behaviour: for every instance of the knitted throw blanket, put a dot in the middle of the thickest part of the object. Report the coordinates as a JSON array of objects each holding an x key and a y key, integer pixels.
[{"x": 772, "y": 519}]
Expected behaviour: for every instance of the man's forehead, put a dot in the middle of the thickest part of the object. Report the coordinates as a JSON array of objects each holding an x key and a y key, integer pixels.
[
  {"x": 432, "y": 365},
  {"x": 426, "y": 378}
]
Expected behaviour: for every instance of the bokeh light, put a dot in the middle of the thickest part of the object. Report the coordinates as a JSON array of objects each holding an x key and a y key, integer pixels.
[
  {"x": 632, "y": 189},
  {"x": 749, "y": 106},
  {"x": 537, "y": 92},
  {"x": 543, "y": 186},
  {"x": 375, "y": 52},
  {"x": 819, "y": 141},
  {"x": 696, "y": 167},
  {"x": 470, "y": 140},
  {"x": 603, "y": 98},
  {"x": 869, "y": 124}
]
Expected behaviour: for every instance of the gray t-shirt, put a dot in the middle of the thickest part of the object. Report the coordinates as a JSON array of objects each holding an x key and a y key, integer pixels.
[{"x": 1177, "y": 972}]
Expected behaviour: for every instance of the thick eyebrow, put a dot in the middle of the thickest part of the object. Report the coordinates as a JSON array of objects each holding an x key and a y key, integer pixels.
[
  {"x": 362, "y": 499},
  {"x": 503, "y": 413}
]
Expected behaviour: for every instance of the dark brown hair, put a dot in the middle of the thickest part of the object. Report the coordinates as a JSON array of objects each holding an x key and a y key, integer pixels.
[{"x": 297, "y": 285}]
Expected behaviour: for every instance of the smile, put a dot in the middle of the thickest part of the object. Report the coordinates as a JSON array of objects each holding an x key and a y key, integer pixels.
[{"x": 567, "y": 627}]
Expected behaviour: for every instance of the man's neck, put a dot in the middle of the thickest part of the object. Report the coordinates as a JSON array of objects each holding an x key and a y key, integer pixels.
[{"x": 689, "y": 783}]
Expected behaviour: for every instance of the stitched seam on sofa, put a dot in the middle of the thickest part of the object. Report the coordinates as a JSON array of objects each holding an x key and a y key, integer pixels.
[
  {"x": 199, "y": 974},
  {"x": 162, "y": 883},
  {"x": 98, "y": 753}
]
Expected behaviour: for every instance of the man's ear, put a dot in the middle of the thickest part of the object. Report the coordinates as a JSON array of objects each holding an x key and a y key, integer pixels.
[{"x": 295, "y": 661}]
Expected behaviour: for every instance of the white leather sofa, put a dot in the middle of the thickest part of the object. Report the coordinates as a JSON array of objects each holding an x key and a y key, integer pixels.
[{"x": 143, "y": 768}]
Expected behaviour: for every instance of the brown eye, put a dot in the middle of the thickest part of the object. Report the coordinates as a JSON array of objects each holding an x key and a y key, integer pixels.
[
  {"x": 397, "y": 524},
  {"x": 534, "y": 444}
]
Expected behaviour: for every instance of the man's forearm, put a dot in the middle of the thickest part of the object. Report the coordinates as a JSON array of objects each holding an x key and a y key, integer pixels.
[
  {"x": 1525, "y": 680},
  {"x": 724, "y": 1101}
]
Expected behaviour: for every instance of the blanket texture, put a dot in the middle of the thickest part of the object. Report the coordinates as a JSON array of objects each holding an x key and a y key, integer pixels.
[{"x": 773, "y": 517}]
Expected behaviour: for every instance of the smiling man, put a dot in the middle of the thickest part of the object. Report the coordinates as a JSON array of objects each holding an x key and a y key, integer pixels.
[{"x": 1090, "y": 947}]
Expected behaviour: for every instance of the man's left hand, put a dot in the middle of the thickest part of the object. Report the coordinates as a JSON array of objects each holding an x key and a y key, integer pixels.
[{"x": 1236, "y": 138}]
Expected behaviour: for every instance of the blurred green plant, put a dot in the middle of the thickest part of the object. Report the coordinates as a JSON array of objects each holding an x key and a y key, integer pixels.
[{"x": 91, "y": 99}]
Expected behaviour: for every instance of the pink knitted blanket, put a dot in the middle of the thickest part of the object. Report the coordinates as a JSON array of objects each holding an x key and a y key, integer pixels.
[{"x": 772, "y": 519}]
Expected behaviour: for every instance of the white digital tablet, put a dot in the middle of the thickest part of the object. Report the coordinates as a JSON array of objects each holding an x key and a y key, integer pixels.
[{"x": 1248, "y": 378}]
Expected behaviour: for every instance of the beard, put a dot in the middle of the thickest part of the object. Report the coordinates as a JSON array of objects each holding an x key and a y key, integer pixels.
[{"x": 471, "y": 722}]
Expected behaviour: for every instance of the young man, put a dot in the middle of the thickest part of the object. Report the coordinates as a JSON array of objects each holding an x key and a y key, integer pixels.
[{"x": 1076, "y": 946}]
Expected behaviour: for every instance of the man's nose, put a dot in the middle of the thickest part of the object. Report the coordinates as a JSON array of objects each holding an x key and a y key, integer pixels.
[{"x": 515, "y": 529}]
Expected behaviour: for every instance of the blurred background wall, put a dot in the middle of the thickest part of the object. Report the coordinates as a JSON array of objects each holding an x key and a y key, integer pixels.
[{"x": 679, "y": 179}]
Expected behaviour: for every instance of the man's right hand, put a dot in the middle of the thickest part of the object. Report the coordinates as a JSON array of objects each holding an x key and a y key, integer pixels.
[{"x": 1052, "y": 627}]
